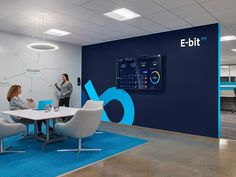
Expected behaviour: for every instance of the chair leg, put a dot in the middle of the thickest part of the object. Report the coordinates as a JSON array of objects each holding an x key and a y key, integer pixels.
[
  {"x": 79, "y": 149},
  {"x": 99, "y": 132},
  {"x": 90, "y": 150},
  {"x": 72, "y": 150},
  {"x": 82, "y": 149},
  {"x": 4, "y": 150},
  {"x": 8, "y": 152},
  {"x": 67, "y": 150},
  {"x": 1, "y": 145}
]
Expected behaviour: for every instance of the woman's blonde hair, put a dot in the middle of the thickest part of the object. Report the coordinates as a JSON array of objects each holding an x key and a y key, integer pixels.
[{"x": 13, "y": 91}]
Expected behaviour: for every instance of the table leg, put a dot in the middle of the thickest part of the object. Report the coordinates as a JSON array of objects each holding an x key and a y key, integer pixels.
[
  {"x": 47, "y": 134},
  {"x": 35, "y": 128},
  {"x": 54, "y": 123},
  {"x": 47, "y": 130}
]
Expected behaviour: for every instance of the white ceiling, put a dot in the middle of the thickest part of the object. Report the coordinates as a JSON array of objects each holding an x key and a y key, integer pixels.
[{"x": 85, "y": 20}]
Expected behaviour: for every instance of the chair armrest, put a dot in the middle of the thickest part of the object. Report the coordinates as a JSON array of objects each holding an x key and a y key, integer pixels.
[
  {"x": 4, "y": 120},
  {"x": 65, "y": 128},
  {"x": 9, "y": 129}
]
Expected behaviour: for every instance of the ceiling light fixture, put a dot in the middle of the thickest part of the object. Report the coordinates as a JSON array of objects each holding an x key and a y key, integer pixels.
[
  {"x": 57, "y": 32},
  {"x": 42, "y": 46},
  {"x": 122, "y": 14},
  {"x": 228, "y": 38},
  {"x": 234, "y": 50},
  {"x": 224, "y": 66}
]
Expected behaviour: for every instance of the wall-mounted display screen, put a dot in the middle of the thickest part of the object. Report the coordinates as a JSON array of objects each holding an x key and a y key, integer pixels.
[{"x": 140, "y": 73}]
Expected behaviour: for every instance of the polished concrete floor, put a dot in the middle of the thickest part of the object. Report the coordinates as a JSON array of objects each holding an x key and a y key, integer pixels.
[
  {"x": 167, "y": 154},
  {"x": 228, "y": 124}
]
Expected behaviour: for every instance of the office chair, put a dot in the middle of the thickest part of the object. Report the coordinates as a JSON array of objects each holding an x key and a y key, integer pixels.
[
  {"x": 9, "y": 129},
  {"x": 91, "y": 104},
  {"x": 27, "y": 123},
  {"x": 83, "y": 124}
]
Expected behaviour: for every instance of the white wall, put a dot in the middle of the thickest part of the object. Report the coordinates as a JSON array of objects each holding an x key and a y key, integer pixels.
[{"x": 15, "y": 59}]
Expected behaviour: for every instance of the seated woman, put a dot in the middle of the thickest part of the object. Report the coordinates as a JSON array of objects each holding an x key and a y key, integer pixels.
[{"x": 15, "y": 103}]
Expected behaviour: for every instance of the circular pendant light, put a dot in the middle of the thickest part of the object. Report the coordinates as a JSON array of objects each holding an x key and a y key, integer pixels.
[{"x": 42, "y": 46}]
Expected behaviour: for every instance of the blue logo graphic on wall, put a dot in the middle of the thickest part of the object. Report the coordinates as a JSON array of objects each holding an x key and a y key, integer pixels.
[{"x": 113, "y": 94}]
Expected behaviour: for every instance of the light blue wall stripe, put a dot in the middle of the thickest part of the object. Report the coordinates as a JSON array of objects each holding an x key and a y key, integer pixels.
[
  {"x": 226, "y": 88},
  {"x": 228, "y": 83}
]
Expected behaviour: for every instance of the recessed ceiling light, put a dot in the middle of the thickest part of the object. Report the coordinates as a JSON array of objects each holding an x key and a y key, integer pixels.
[
  {"x": 234, "y": 50},
  {"x": 224, "y": 67},
  {"x": 122, "y": 14},
  {"x": 228, "y": 38},
  {"x": 57, "y": 32}
]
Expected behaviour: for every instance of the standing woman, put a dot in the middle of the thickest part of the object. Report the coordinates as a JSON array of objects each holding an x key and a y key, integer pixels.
[{"x": 65, "y": 89}]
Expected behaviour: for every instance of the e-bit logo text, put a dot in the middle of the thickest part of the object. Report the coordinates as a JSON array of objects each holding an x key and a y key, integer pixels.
[{"x": 192, "y": 42}]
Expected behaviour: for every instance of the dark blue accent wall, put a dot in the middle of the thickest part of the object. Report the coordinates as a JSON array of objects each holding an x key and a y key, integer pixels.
[{"x": 189, "y": 100}]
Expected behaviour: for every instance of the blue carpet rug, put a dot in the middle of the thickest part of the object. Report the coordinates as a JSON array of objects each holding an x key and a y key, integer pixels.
[{"x": 38, "y": 163}]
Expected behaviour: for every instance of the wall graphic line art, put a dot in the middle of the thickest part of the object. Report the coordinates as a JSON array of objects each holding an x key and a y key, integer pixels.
[{"x": 29, "y": 70}]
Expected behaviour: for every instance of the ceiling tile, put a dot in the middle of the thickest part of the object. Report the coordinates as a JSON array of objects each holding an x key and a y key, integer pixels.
[
  {"x": 231, "y": 12},
  {"x": 107, "y": 31},
  {"x": 181, "y": 27},
  {"x": 146, "y": 25},
  {"x": 78, "y": 2},
  {"x": 232, "y": 28},
  {"x": 148, "y": 7},
  {"x": 191, "y": 10},
  {"x": 166, "y": 19},
  {"x": 22, "y": 18},
  {"x": 101, "y": 6},
  {"x": 125, "y": 3},
  {"x": 228, "y": 20},
  {"x": 171, "y": 4},
  {"x": 214, "y": 5},
  {"x": 10, "y": 7},
  {"x": 225, "y": 30},
  {"x": 228, "y": 17},
  {"x": 67, "y": 8},
  {"x": 93, "y": 34},
  {"x": 201, "y": 19},
  {"x": 125, "y": 28}
]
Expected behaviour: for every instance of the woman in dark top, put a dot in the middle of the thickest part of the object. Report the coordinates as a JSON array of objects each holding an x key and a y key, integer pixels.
[{"x": 65, "y": 89}]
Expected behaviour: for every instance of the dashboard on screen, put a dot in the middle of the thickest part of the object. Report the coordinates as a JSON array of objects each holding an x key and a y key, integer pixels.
[{"x": 140, "y": 73}]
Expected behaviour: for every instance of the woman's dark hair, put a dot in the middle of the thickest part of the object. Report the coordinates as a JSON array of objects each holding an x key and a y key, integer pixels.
[{"x": 66, "y": 76}]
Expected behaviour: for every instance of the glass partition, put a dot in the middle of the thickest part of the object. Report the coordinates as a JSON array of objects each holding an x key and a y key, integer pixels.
[{"x": 228, "y": 73}]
